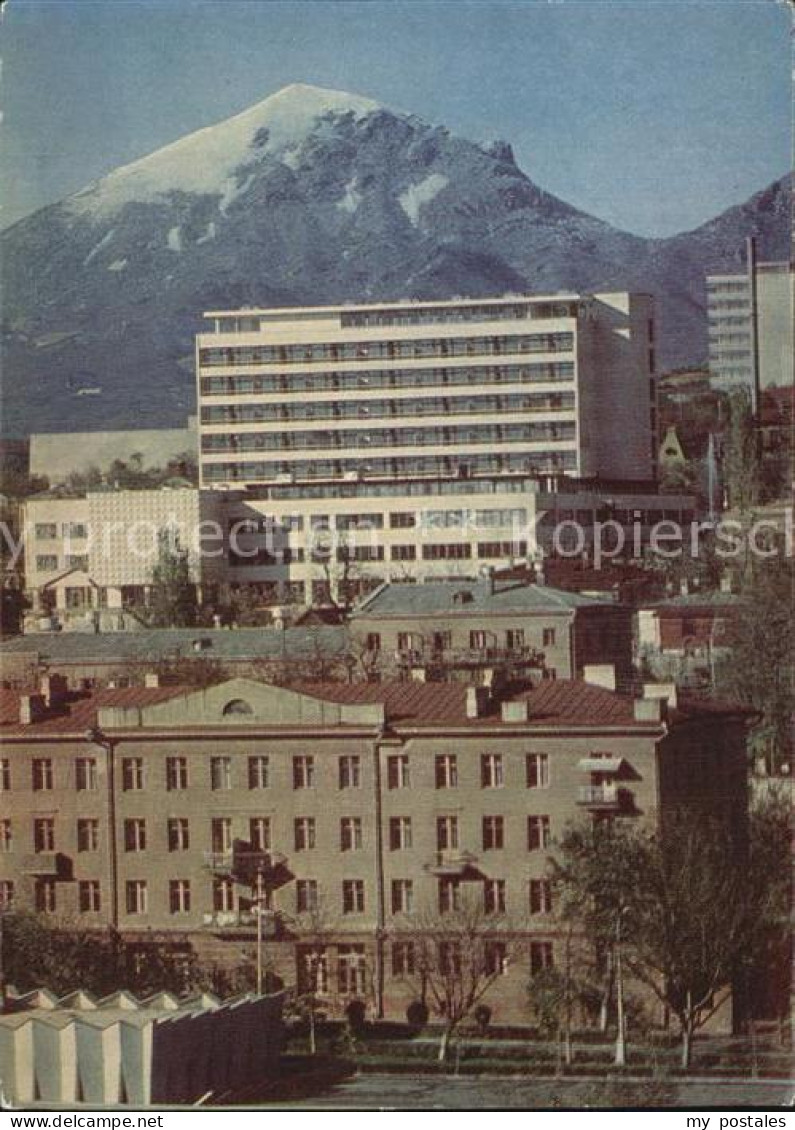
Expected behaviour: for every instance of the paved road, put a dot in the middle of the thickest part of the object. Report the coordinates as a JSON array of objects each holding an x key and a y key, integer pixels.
[{"x": 429, "y": 1092}]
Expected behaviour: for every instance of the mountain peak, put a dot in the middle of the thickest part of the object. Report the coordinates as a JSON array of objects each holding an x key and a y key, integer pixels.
[{"x": 208, "y": 160}]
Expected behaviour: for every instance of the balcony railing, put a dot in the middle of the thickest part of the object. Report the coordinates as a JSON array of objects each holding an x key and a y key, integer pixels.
[
  {"x": 599, "y": 796},
  {"x": 41, "y": 863},
  {"x": 244, "y": 863},
  {"x": 243, "y": 920},
  {"x": 466, "y": 657},
  {"x": 451, "y": 862}
]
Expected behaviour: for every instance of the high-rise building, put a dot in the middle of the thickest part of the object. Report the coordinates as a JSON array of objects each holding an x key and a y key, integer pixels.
[
  {"x": 407, "y": 391},
  {"x": 751, "y": 317}
]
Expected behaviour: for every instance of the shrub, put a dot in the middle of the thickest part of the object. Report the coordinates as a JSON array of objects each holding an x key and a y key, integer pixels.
[
  {"x": 417, "y": 1014},
  {"x": 356, "y": 1013},
  {"x": 482, "y": 1017}
]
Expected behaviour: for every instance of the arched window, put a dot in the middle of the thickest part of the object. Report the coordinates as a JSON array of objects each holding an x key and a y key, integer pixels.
[{"x": 237, "y": 706}]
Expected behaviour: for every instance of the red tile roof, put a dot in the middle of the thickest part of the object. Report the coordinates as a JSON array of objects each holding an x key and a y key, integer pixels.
[{"x": 563, "y": 703}]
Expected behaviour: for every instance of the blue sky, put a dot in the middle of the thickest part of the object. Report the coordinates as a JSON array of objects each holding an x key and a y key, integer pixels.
[{"x": 652, "y": 115}]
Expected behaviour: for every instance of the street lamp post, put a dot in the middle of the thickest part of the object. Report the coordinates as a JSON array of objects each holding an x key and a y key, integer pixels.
[{"x": 621, "y": 1035}]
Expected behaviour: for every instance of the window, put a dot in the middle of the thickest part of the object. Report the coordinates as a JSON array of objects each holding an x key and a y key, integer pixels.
[
  {"x": 538, "y": 836},
  {"x": 495, "y": 958},
  {"x": 44, "y": 834},
  {"x": 449, "y": 895},
  {"x": 176, "y": 774},
  {"x": 312, "y": 969},
  {"x": 541, "y": 956},
  {"x": 223, "y": 895},
  {"x": 351, "y": 970},
  {"x": 179, "y": 896},
  {"x": 135, "y": 894},
  {"x": 446, "y": 766},
  {"x": 304, "y": 833},
  {"x": 221, "y": 834},
  {"x": 42, "y": 775},
  {"x": 88, "y": 896},
  {"x": 220, "y": 773},
  {"x": 5, "y": 775},
  {"x": 86, "y": 774},
  {"x": 6, "y": 893},
  {"x": 46, "y": 562},
  {"x": 550, "y": 674},
  {"x": 350, "y": 772},
  {"x": 353, "y": 896},
  {"x": 537, "y": 771},
  {"x": 450, "y": 957},
  {"x": 258, "y": 772},
  {"x": 402, "y": 959},
  {"x": 491, "y": 775},
  {"x": 493, "y": 833},
  {"x": 88, "y": 834},
  {"x": 494, "y": 896},
  {"x": 305, "y": 895},
  {"x": 478, "y": 640},
  {"x": 548, "y": 637},
  {"x": 259, "y": 833},
  {"x": 399, "y": 833},
  {"x": 350, "y": 833},
  {"x": 397, "y": 771},
  {"x": 44, "y": 898},
  {"x": 402, "y": 896},
  {"x": 303, "y": 772},
  {"x": 540, "y": 896},
  {"x": 132, "y": 774},
  {"x": 514, "y": 639},
  {"x": 46, "y": 531},
  {"x": 446, "y": 832},
  {"x": 402, "y": 520},
  {"x": 6, "y": 838},
  {"x": 135, "y": 835},
  {"x": 178, "y": 834}
]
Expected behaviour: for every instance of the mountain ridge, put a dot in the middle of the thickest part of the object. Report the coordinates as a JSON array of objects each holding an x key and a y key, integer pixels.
[{"x": 309, "y": 197}]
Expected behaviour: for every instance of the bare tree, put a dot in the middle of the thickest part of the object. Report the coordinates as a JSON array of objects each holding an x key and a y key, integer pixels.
[{"x": 456, "y": 957}]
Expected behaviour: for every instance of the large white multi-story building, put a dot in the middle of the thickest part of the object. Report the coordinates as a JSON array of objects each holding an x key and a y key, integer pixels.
[
  {"x": 406, "y": 391},
  {"x": 751, "y": 318}
]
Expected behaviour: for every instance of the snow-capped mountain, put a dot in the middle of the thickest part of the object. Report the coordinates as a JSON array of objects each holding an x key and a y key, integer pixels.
[{"x": 310, "y": 196}]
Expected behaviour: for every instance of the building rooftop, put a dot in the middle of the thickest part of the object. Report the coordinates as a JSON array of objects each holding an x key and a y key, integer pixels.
[
  {"x": 155, "y": 644},
  {"x": 564, "y": 703},
  {"x": 434, "y": 598}
]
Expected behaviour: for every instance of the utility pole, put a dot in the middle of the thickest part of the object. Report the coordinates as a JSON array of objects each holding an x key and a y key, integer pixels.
[
  {"x": 621, "y": 1039},
  {"x": 260, "y": 910}
]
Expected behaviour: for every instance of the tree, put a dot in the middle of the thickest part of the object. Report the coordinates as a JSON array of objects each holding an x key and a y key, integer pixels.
[
  {"x": 457, "y": 956},
  {"x": 742, "y": 463},
  {"x": 757, "y": 671},
  {"x": 688, "y": 903},
  {"x": 172, "y": 601}
]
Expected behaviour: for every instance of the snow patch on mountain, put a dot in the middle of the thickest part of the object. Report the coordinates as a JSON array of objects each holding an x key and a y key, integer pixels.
[
  {"x": 118, "y": 265},
  {"x": 351, "y": 198},
  {"x": 99, "y": 247},
  {"x": 174, "y": 239},
  {"x": 417, "y": 195},
  {"x": 204, "y": 162},
  {"x": 209, "y": 233}
]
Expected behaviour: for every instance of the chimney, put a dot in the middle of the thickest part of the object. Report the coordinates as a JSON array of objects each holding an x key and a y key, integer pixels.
[
  {"x": 665, "y": 692},
  {"x": 516, "y": 711},
  {"x": 726, "y": 583},
  {"x": 648, "y": 709},
  {"x": 600, "y": 675},
  {"x": 52, "y": 689},
  {"x": 684, "y": 587},
  {"x": 151, "y": 679},
  {"x": 31, "y": 708},
  {"x": 477, "y": 701}
]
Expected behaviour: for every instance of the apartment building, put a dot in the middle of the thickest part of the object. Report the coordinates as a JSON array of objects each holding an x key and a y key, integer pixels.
[
  {"x": 340, "y": 813},
  {"x": 298, "y": 544},
  {"x": 90, "y": 555},
  {"x": 408, "y": 391},
  {"x": 751, "y": 317},
  {"x": 471, "y": 627}
]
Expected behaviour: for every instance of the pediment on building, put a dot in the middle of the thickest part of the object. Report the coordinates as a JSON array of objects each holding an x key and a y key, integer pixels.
[{"x": 243, "y": 702}]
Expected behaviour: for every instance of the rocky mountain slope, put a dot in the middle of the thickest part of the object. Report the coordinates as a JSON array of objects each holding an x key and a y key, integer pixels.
[{"x": 311, "y": 196}]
